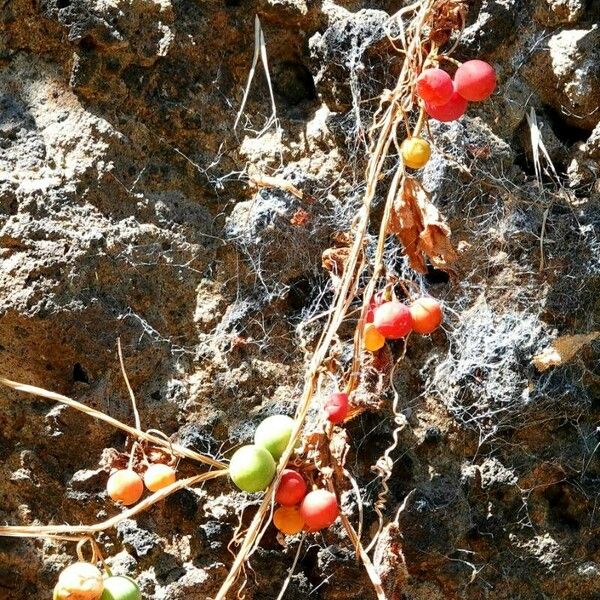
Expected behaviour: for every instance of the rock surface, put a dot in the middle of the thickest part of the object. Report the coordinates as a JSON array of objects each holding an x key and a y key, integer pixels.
[{"x": 129, "y": 207}]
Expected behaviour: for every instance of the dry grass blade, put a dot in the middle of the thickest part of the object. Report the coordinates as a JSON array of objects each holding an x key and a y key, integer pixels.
[
  {"x": 537, "y": 147},
  {"x": 292, "y": 569},
  {"x": 371, "y": 572},
  {"x": 157, "y": 441},
  {"x": 136, "y": 414},
  {"x": 44, "y": 530},
  {"x": 260, "y": 50}
]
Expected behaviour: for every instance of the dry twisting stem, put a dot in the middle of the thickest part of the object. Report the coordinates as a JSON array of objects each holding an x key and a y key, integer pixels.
[
  {"x": 42, "y": 530},
  {"x": 157, "y": 441}
]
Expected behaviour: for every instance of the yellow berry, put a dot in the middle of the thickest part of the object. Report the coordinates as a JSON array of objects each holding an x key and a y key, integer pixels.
[
  {"x": 288, "y": 520},
  {"x": 159, "y": 476},
  {"x": 415, "y": 152},
  {"x": 372, "y": 339}
]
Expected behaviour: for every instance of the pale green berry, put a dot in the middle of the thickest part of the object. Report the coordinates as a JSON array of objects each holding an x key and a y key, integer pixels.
[
  {"x": 274, "y": 433},
  {"x": 252, "y": 468},
  {"x": 119, "y": 587}
]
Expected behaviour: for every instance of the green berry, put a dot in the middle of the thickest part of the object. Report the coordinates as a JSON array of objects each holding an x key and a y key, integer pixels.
[
  {"x": 252, "y": 468},
  {"x": 119, "y": 587},
  {"x": 274, "y": 433}
]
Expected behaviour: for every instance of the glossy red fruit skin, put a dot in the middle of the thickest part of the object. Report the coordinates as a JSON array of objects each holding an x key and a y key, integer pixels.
[
  {"x": 292, "y": 488},
  {"x": 319, "y": 509},
  {"x": 475, "y": 80},
  {"x": 393, "y": 320},
  {"x": 336, "y": 407},
  {"x": 452, "y": 110},
  {"x": 435, "y": 86}
]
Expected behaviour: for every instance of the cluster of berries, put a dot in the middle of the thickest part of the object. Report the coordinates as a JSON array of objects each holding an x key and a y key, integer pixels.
[
  {"x": 127, "y": 487},
  {"x": 394, "y": 320},
  {"x": 447, "y": 100},
  {"x": 84, "y": 581},
  {"x": 253, "y": 467},
  {"x": 300, "y": 510}
]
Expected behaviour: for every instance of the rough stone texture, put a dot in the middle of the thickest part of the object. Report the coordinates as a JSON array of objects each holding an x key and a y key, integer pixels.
[{"x": 126, "y": 209}]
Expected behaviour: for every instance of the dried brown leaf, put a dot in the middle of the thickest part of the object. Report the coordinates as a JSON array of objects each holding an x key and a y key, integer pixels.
[
  {"x": 334, "y": 259},
  {"x": 420, "y": 228},
  {"x": 445, "y": 17},
  {"x": 563, "y": 349}
]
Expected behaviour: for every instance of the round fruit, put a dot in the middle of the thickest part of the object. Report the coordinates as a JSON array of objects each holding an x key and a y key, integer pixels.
[
  {"x": 373, "y": 340},
  {"x": 159, "y": 476},
  {"x": 452, "y": 110},
  {"x": 274, "y": 434},
  {"x": 119, "y": 587},
  {"x": 79, "y": 581},
  {"x": 475, "y": 80},
  {"x": 336, "y": 407},
  {"x": 125, "y": 486},
  {"x": 415, "y": 152},
  {"x": 319, "y": 510},
  {"x": 393, "y": 320},
  {"x": 292, "y": 488},
  {"x": 426, "y": 314},
  {"x": 435, "y": 86},
  {"x": 288, "y": 520},
  {"x": 252, "y": 468}
]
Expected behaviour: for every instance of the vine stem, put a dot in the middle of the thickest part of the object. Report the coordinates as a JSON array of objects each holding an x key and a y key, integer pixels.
[
  {"x": 92, "y": 412},
  {"x": 54, "y": 530}
]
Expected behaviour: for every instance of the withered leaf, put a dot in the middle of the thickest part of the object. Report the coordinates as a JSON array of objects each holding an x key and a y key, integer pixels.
[
  {"x": 420, "y": 228},
  {"x": 445, "y": 17},
  {"x": 563, "y": 349},
  {"x": 334, "y": 259}
]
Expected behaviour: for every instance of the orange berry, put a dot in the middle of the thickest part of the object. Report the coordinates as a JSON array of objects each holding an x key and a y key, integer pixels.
[
  {"x": 288, "y": 520},
  {"x": 125, "y": 486},
  {"x": 372, "y": 339},
  {"x": 415, "y": 152},
  {"x": 426, "y": 314},
  {"x": 159, "y": 476}
]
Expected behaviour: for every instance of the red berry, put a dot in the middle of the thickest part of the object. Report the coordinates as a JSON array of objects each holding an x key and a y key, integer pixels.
[
  {"x": 426, "y": 314},
  {"x": 292, "y": 488},
  {"x": 393, "y": 320},
  {"x": 336, "y": 407},
  {"x": 475, "y": 80},
  {"x": 319, "y": 509},
  {"x": 452, "y": 110},
  {"x": 435, "y": 86}
]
